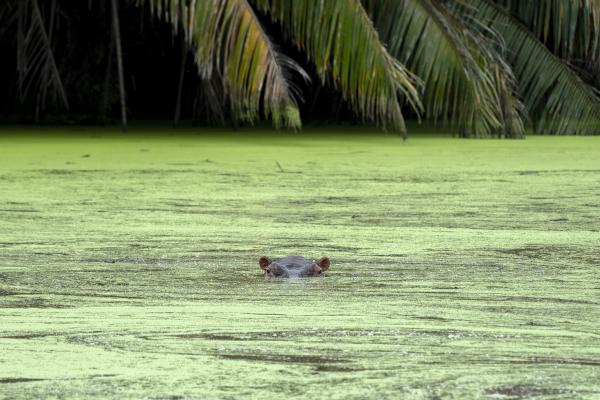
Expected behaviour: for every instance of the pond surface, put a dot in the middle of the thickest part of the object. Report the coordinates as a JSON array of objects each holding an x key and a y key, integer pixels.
[{"x": 461, "y": 269}]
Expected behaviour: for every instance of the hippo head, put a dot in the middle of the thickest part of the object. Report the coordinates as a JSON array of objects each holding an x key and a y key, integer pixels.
[{"x": 293, "y": 267}]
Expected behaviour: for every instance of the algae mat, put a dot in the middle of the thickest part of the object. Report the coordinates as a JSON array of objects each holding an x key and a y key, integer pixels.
[{"x": 460, "y": 269}]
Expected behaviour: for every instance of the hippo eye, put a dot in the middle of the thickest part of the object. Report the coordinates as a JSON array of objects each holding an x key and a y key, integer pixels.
[{"x": 268, "y": 270}]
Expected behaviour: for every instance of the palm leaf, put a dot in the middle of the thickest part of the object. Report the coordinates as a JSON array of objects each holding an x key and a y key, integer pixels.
[
  {"x": 230, "y": 42},
  {"x": 37, "y": 71},
  {"x": 556, "y": 98},
  {"x": 463, "y": 74},
  {"x": 7, "y": 16},
  {"x": 570, "y": 27},
  {"x": 340, "y": 39}
]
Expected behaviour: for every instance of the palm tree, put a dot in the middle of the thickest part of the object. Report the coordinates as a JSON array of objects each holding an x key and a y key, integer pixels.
[{"x": 486, "y": 67}]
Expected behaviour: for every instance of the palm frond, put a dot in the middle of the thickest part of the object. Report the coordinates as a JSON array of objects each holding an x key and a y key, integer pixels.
[
  {"x": 7, "y": 16},
  {"x": 499, "y": 84},
  {"x": 556, "y": 98},
  {"x": 459, "y": 66},
  {"x": 570, "y": 27},
  {"x": 340, "y": 39},
  {"x": 37, "y": 72},
  {"x": 229, "y": 41}
]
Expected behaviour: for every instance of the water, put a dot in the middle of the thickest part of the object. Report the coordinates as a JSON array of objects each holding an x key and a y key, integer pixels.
[{"x": 460, "y": 268}]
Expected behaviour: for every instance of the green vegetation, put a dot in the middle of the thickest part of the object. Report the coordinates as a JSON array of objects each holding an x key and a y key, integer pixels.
[
  {"x": 488, "y": 68},
  {"x": 461, "y": 269}
]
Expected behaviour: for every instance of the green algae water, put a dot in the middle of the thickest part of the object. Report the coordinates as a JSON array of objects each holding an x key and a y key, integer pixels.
[{"x": 461, "y": 269}]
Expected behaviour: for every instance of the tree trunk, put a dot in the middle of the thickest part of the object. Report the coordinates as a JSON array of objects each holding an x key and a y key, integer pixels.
[
  {"x": 107, "y": 78},
  {"x": 117, "y": 33},
  {"x": 184, "y": 51}
]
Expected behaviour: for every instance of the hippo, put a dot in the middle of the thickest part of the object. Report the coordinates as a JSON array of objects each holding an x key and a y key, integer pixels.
[{"x": 293, "y": 267}]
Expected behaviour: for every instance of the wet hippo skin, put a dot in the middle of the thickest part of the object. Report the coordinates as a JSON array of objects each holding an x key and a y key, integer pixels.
[{"x": 293, "y": 267}]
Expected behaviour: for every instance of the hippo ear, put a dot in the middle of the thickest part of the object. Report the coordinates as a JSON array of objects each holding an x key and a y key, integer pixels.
[
  {"x": 264, "y": 262},
  {"x": 324, "y": 263}
]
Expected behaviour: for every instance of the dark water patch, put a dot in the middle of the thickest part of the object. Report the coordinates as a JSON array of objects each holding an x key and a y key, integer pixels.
[
  {"x": 529, "y": 172},
  {"x": 18, "y": 210},
  {"x": 450, "y": 334},
  {"x": 116, "y": 264},
  {"x": 515, "y": 392},
  {"x": 26, "y": 243},
  {"x": 34, "y": 303},
  {"x": 147, "y": 171},
  {"x": 428, "y": 195},
  {"x": 57, "y": 171},
  {"x": 101, "y": 376},
  {"x": 141, "y": 246},
  {"x": 402, "y": 179},
  {"x": 183, "y": 211},
  {"x": 284, "y": 358},
  {"x": 329, "y": 248},
  {"x": 94, "y": 340},
  {"x": 178, "y": 200},
  {"x": 336, "y": 368},
  {"x": 182, "y": 204},
  {"x": 529, "y": 299},
  {"x": 293, "y": 245},
  {"x": 100, "y": 296},
  {"x": 136, "y": 261},
  {"x": 326, "y": 200},
  {"x": 158, "y": 171},
  {"x": 535, "y": 252},
  {"x": 431, "y": 318},
  {"x": 8, "y": 178},
  {"x": 346, "y": 249},
  {"x": 279, "y": 335},
  {"x": 116, "y": 270},
  {"x": 212, "y": 336},
  {"x": 539, "y": 324},
  {"x": 557, "y": 172},
  {"x": 5, "y": 293},
  {"x": 26, "y": 336},
  {"x": 534, "y": 360},
  {"x": 202, "y": 212},
  {"x": 25, "y": 380},
  {"x": 98, "y": 260},
  {"x": 223, "y": 251},
  {"x": 70, "y": 171},
  {"x": 5, "y": 381},
  {"x": 571, "y": 254},
  {"x": 465, "y": 214},
  {"x": 557, "y": 361},
  {"x": 231, "y": 174}
]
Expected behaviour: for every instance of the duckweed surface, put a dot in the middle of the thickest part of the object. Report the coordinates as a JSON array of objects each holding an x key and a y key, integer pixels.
[{"x": 461, "y": 269}]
